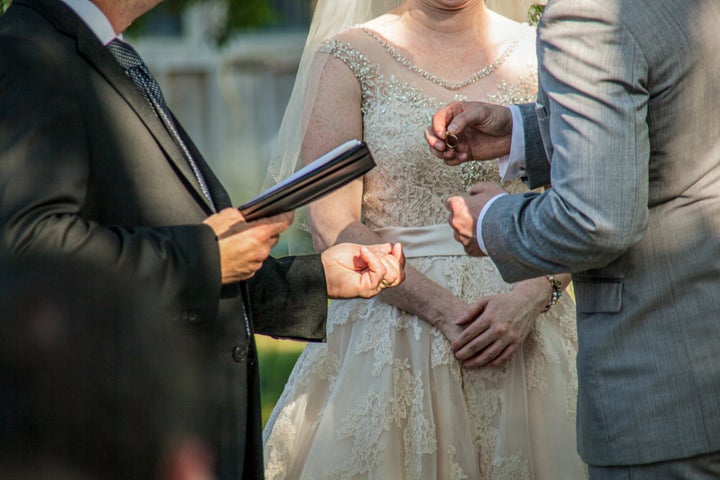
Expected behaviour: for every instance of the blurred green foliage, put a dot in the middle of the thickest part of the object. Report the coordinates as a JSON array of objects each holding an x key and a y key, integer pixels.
[
  {"x": 535, "y": 12},
  {"x": 240, "y": 15},
  {"x": 276, "y": 359}
]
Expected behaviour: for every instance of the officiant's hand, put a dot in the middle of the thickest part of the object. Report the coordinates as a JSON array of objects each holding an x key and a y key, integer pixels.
[
  {"x": 353, "y": 270},
  {"x": 244, "y": 246},
  {"x": 479, "y": 131}
]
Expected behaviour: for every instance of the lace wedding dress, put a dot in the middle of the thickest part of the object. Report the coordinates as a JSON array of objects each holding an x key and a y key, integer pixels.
[{"x": 384, "y": 398}]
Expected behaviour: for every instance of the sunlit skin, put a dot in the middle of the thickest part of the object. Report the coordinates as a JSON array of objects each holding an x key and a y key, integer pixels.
[
  {"x": 350, "y": 269},
  {"x": 464, "y": 212},
  {"x": 122, "y": 13},
  {"x": 483, "y": 131}
]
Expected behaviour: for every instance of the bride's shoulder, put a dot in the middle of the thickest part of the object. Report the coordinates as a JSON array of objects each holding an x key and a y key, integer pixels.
[
  {"x": 387, "y": 26},
  {"x": 352, "y": 35},
  {"x": 525, "y": 48},
  {"x": 519, "y": 37},
  {"x": 362, "y": 37}
]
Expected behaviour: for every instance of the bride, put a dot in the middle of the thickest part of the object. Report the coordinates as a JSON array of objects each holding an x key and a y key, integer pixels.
[{"x": 385, "y": 397}]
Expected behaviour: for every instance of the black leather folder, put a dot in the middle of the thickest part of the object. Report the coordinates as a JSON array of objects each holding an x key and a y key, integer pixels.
[{"x": 326, "y": 174}]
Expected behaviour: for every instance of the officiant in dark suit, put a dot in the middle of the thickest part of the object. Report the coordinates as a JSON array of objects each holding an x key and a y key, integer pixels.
[{"x": 95, "y": 167}]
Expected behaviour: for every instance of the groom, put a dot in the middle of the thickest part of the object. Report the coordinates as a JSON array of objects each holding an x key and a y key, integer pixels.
[
  {"x": 94, "y": 168},
  {"x": 626, "y": 131}
]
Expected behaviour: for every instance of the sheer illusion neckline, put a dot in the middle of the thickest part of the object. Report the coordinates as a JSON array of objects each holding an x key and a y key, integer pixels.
[{"x": 480, "y": 74}]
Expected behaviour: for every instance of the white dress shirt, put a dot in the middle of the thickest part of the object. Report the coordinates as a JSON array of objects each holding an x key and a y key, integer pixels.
[
  {"x": 511, "y": 166},
  {"x": 94, "y": 18}
]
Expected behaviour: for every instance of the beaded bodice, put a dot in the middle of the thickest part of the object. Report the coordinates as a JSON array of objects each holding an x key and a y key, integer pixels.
[{"x": 409, "y": 185}]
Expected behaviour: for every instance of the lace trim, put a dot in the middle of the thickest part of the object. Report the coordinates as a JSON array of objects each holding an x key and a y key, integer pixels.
[
  {"x": 404, "y": 161},
  {"x": 480, "y": 74}
]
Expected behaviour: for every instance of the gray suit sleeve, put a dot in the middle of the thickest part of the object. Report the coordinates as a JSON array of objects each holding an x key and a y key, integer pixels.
[{"x": 591, "y": 92}]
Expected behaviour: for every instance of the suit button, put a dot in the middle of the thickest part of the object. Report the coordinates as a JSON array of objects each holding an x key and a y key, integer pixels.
[
  {"x": 190, "y": 316},
  {"x": 239, "y": 353}
]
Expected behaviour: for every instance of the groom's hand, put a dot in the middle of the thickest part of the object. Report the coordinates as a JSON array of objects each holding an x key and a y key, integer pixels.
[
  {"x": 464, "y": 213},
  {"x": 483, "y": 131},
  {"x": 244, "y": 246}
]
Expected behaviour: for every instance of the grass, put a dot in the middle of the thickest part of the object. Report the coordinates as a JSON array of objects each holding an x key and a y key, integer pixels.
[{"x": 276, "y": 361}]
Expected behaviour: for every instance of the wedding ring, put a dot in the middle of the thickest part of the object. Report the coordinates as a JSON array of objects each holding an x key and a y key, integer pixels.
[
  {"x": 451, "y": 140},
  {"x": 385, "y": 283}
]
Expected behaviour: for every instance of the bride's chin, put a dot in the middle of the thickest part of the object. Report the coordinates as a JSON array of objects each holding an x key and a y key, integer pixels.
[{"x": 450, "y": 5}]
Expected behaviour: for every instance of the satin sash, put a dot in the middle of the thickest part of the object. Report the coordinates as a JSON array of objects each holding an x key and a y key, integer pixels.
[{"x": 429, "y": 241}]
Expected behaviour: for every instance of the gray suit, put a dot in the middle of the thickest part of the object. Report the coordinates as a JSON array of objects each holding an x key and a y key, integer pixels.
[{"x": 628, "y": 112}]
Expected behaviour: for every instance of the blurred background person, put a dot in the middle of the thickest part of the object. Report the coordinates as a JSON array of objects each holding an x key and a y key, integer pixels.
[{"x": 92, "y": 386}]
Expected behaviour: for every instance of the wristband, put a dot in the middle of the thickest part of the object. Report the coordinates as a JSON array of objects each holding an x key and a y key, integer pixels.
[{"x": 556, "y": 292}]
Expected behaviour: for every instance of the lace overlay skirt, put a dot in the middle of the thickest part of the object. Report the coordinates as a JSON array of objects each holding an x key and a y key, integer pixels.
[{"x": 385, "y": 398}]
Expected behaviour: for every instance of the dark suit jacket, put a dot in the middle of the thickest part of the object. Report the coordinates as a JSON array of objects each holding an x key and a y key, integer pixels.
[{"x": 88, "y": 171}]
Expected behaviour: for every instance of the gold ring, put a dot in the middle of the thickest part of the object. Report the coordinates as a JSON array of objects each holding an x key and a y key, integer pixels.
[
  {"x": 451, "y": 140},
  {"x": 385, "y": 283}
]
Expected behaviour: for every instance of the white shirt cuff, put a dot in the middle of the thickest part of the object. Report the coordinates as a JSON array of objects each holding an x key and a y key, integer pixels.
[
  {"x": 480, "y": 241},
  {"x": 512, "y": 166}
]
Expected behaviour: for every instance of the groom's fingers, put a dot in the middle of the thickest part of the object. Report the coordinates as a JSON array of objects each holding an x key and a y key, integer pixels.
[
  {"x": 437, "y": 145},
  {"x": 442, "y": 119}
]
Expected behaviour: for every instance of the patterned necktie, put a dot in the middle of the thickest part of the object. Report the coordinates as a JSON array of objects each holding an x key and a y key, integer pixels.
[{"x": 136, "y": 69}]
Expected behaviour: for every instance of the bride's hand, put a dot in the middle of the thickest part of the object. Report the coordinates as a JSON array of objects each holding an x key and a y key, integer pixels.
[
  {"x": 450, "y": 328},
  {"x": 496, "y": 326}
]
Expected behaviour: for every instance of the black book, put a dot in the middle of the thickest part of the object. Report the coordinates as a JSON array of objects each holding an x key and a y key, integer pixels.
[{"x": 333, "y": 170}]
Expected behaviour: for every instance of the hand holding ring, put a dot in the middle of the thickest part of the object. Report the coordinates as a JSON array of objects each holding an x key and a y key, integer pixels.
[{"x": 451, "y": 140}]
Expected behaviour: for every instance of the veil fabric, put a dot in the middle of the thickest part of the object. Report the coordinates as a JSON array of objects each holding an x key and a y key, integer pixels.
[{"x": 330, "y": 18}]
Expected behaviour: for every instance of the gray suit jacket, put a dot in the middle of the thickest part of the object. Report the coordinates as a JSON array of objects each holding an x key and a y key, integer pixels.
[
  {"x": 628, "y": 112},
  {"x": 88, "y": 171}
]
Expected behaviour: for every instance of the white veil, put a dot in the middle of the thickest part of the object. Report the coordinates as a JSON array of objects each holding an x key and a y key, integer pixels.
[{"x": 331, "y": 17}]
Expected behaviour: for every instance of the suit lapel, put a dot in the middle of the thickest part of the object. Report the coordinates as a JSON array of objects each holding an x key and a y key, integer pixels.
[
  {"x": 101, "y": 60},
  {"x": 98, "y": 56},
  {"x": 217, "y": 191}
]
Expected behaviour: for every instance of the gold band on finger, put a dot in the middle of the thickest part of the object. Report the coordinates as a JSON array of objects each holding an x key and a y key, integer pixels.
[
  {"x": 451, "y": 140},
  {"x": 385, "y": 283}
]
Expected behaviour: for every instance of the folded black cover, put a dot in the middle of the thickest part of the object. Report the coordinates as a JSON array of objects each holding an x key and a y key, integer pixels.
[{"x": 326, "y": 174}]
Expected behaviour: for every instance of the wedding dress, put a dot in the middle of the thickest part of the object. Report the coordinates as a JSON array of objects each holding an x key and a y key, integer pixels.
[{"x": 384, "y": 398}]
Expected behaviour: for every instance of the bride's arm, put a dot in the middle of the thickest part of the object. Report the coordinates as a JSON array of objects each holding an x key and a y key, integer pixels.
[{"x": 335, "y": 118}]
